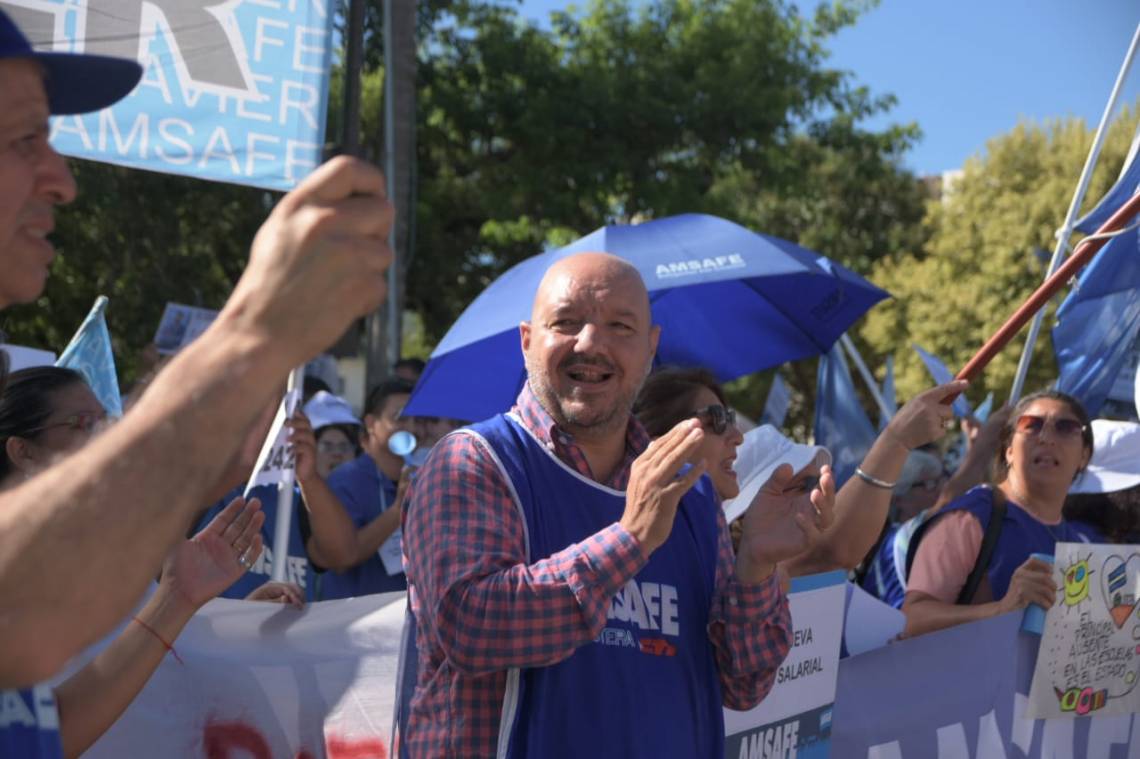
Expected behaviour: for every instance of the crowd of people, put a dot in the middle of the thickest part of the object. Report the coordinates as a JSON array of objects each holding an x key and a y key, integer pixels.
[{"x": 570, "y": 561}]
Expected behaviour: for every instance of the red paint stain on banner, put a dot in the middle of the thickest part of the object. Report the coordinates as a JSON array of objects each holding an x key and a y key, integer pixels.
[
  {"x": 220, "y": 738},
  {"x": 339, "y": 748}
]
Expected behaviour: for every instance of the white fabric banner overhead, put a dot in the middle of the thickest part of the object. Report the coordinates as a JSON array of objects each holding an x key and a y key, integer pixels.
[{"x": 264, "y": 681}]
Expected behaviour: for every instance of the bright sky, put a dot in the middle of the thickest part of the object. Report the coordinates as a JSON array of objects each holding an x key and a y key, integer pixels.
[{"x": 968, "y": 70}]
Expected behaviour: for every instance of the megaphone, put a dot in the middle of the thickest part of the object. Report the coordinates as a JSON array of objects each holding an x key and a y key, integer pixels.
[{"x": 404, "y": 444}]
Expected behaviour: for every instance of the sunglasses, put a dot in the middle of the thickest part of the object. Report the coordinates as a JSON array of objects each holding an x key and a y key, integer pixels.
[
  {"x": 1031, "y": 424},
  {"x": 806, "y": 484},
  {"x": 716, "y": 418},
  {"x": 84, "y": 421}
]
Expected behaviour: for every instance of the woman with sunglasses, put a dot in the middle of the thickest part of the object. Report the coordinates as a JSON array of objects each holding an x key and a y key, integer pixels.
[
  {"x": 45, "y": 414},
  {"x": 672, "y": 394},
  {"x": 966, "y": 562}
]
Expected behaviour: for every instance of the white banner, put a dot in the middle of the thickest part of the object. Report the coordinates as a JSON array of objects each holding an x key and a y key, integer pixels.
[
  {"x": 262, "y": 681},
  {"x": 276, "y": 456},
  {"x": 795, "y": 718},
  {"x": 1088, "y": 659}
]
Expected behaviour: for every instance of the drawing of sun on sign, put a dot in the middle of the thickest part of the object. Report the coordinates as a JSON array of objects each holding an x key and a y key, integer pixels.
[
  {"x": 1089, "y": 659},
  {"x": 1076, "y": 582}
]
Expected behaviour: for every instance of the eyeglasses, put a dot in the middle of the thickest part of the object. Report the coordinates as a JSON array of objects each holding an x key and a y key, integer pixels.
[
  {"x": 84, "y": 421},
  {"x": 929, "y": 485},
  {"x": 329, "y": 448},
  {"x": 806, "y": 484},
  {"x": 716, "y": 417},
  {"x": 1031, "y": 424}
]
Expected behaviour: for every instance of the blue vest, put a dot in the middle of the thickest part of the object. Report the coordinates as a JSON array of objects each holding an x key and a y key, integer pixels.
[
  {"x": 298, "y": 569},
  {"x": 365, "y": 493},
  {"x": 886, "y": 575},
  {"x": 1021, "y": 535},
  {"x": 648, "y": 685},
  {"x": 29, "y": 724}
]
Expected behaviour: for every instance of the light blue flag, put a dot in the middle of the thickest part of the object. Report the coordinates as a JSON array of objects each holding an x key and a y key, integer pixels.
[
  {"x": 89, "y": 353},
  {"x": 841, "y": 424},
  {"x": 1117, "y": 196},
  {"x": 776, "y": 407},
  {"x": 231, "y": 92},
  {"x": 941, "y": 376},
  {"x": 1098, "y": 322},
  {"x": 982, "y": 412},
  {"x": 888, "y": 394}
]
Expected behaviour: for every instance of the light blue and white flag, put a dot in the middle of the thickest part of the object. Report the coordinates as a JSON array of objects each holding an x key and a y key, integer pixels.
[
  {"x": 841, "y": 424},
  {"x": 232, "y": 91},
  {"x": 90, "y": 354},
  {"x": 941, "y": 376},
  {"x": 888, "y": 394},
  {"x": 982, "y": 412},
  {"x": 776, "y": 407}
]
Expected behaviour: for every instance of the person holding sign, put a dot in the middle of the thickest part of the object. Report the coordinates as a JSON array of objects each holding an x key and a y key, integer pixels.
[
  {"x": 573, "y": 593},
  {"x": 83, "y": 539},
  {"x": 972, "y": 560}
]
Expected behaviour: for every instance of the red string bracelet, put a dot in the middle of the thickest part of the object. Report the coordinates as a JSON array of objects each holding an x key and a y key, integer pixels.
[{"x": 166, "y": 645}]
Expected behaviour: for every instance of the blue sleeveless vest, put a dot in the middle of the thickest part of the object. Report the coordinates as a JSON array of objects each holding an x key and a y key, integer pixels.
[
  {"x": 29, "y": 724},
  {"x": 647, "y": 686},
  {"x": 1021, "y": 535}
]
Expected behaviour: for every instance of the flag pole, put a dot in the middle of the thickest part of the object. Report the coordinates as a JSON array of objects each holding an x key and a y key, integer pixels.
[
  {"x": 865, "y": 373},
  {"x": 1087, "y": 248},
  {"x": 1066, "y": 230},
  {"x": 284, "y": 515}
]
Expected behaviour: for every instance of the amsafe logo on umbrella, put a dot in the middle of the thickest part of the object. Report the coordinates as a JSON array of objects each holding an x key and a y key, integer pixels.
[{"x": 699, "y": 266}]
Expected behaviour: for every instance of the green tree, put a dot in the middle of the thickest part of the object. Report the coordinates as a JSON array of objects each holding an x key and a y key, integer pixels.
[
  {"x": 529, "y": 138},
  {"x": 141, "y": 239},
  {"x": 979, "y": 263}
]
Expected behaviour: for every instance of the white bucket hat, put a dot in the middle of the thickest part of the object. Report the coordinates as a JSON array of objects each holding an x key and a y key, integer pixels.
[
  {"x": 765, "y": 448},
  {"x": 1115, "y": 463},
  {"x": 324, "y": 409}
]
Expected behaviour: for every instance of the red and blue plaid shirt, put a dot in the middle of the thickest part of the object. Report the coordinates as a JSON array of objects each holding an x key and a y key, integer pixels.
[{"x": 481, "y": 609}]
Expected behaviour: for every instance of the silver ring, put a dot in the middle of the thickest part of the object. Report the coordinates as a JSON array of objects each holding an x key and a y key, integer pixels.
[{"x": 244, "y": 560}]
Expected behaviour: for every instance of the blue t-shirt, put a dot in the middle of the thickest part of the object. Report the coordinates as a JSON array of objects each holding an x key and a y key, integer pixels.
[
  {"x": 29, "y": 724},
  {"x": 365, "y": 493},
  {"x": 298, "y": 568}
]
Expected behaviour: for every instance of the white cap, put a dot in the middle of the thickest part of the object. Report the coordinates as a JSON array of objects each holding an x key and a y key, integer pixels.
[
  {"x": 324, "y": 409},
  {"x": 1115, "y": 462},
  {"x": 765, "y": 448}
]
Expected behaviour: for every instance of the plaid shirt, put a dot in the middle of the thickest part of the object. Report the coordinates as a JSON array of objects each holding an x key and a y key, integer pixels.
[{"x": 482, "y": 609}]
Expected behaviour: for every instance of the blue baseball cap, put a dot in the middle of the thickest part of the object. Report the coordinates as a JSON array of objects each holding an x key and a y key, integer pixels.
[{"x": 75, "y": 83}]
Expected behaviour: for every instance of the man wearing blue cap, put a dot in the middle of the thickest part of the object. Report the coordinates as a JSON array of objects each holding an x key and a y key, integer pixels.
[{"x": 83, "y": 539}]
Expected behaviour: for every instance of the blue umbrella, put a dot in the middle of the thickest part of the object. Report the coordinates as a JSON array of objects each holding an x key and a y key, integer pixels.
[{"x": 726, "y": 298}]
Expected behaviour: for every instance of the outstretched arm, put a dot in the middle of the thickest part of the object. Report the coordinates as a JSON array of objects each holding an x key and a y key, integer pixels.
[
  {"x": 860, "y": 507},
  {"x": 92, "y": 699},
  {"x": 82, "y": 540}
]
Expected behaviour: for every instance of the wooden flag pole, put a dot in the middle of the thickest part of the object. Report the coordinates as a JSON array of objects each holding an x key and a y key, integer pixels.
[{"x": 1081, "y": 256}]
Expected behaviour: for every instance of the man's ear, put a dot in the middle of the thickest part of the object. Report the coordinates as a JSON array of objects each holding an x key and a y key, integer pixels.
[
  {"x": 654, "y": 338},
  {"x": 524, "y": 336}
]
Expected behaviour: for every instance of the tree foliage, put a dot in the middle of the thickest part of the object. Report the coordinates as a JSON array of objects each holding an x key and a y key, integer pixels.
[
  {"x": 529, "y": 137},
  {"x": 980, "y": 261},
  {"x": 141, "y": 239}
]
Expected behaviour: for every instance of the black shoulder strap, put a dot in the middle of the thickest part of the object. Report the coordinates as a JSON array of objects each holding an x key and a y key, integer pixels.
[{"x": 986, "y": 551}]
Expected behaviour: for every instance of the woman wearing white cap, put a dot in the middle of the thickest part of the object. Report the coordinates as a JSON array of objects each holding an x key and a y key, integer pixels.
[
  {"x": 1107, "y": 494},
  {"x": 336, "y": 429}
]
